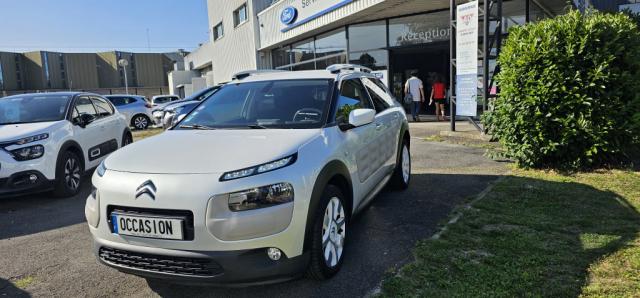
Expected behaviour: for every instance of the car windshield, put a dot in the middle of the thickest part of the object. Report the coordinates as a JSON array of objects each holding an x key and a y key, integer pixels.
[
  {"x": 33, "y": 108},
  {"x": 265, "y": 104}
]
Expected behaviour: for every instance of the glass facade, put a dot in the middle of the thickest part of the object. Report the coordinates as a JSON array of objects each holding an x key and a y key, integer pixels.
[
  {"x": 419, "y": 29},
  {"x": 368, "y": 36}
]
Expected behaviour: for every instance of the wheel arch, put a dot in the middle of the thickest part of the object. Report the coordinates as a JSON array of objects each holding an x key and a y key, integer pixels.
[
  {"x": 125, "y": 132},
  {"x": 337, "y": 174},
  {"x": 74, "y": 147}
]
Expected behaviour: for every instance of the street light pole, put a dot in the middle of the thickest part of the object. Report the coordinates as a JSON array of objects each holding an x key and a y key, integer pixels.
[{"x": 124, "y": 63}]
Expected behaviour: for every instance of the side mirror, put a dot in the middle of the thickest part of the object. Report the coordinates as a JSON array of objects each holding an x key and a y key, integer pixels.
[
  {"x": 85, "y": 119},
  {"x": 360, "y": 117}
]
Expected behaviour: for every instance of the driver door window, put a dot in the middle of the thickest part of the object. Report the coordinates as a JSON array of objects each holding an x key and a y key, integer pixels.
[
  {"x": 83, "y": 106},
  {"x": 352, "y": 96}
]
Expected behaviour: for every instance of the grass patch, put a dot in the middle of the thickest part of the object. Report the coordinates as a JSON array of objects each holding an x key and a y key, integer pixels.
[
  {"x": 24, "y": 282},
  {"x": 141, "y": 134},
  {"x": 535, "y": 234}
]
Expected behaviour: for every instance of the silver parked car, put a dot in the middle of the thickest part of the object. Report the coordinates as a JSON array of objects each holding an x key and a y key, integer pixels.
[
  {"x": 136, "y": 108},
  {"x": 163, "y": 99}
]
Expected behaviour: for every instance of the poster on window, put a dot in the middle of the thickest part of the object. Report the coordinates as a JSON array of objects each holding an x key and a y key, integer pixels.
[{"x": 467, "y": 59}]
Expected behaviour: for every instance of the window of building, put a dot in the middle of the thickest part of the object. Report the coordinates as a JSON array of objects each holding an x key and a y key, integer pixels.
[
  {"x": 218, "y": 31},
  {"x": 331, "y": 43},
  {"x": 240, "y": 15},
  {"x": 376, "y": 60},
  {"x": 302, "y": 51},
  {"x": 419, "y": 29},
  {"x": 281, "y": 57},
  {"x": 1, "y": 78},
  {"x": 368, "y": 36}
]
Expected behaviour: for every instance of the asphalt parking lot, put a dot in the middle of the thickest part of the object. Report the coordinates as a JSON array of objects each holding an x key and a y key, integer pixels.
[{"x": 46, "y": 248}]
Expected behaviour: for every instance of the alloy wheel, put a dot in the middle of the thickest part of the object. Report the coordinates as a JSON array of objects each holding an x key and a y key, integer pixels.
[
  {"x": 406, "y": 164},
  {"x": 72, "y": 174},
  {"x": 333, "y": 232},
  {"x": 140, "y": 122}
]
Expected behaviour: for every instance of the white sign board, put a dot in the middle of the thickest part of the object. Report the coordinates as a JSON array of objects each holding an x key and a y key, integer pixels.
[{"x": 467, "y": 59}]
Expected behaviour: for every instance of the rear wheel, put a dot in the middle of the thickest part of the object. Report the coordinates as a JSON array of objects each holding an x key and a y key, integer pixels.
[
  {"x": 328, "y": 235},
  {"x": 402, "y": 174},
  {"x": 69, "y": 171},
  {"x": 140, "y": 122}
]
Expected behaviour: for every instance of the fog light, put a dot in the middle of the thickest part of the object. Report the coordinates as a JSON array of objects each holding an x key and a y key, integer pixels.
[
  {"x": 274, "y": 253},
  {"x": 33, "y": 178}
]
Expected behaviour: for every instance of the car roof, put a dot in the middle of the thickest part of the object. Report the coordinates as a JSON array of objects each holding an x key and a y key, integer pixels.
[
  {"x": 299, "y": 75},
  {"x": 121, "y": 95},
  {"x": 168, "y": 95},
  {"x": 62, "y": 93}
]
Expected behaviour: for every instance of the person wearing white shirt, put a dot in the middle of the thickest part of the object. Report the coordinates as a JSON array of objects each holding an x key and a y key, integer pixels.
[{"x": 415, "y": 87}]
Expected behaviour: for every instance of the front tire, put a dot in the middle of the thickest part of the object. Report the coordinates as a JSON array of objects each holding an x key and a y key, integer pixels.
[
  {"x": 328, "y": 235},
  {"x": 140, "y": 122},
  {"x": 402, "y": 173},
  {"x": 69, "y": 172}
]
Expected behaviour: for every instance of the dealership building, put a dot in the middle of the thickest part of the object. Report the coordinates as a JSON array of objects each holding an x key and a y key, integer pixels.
[{"x": 392, "y": 37}]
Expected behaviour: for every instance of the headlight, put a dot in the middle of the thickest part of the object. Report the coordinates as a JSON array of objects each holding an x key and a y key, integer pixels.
[
  {"x": 31, "y": 139},
  {"x": 259, "y": 169},
  {"x": 101, "y": 170},
  {"x": 28, "y": 153},
  {"x": 261, "y": 197}
]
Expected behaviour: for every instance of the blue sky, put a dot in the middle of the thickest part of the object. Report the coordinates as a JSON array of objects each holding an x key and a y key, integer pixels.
[{"x": 102, "y": 25}]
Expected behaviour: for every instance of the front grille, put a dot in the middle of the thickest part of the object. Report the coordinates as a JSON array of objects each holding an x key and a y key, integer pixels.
[{"x": 161, "y": 264}]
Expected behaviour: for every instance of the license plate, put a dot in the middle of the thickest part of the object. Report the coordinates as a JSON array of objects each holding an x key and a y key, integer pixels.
[{"x": 145, "y": 226}]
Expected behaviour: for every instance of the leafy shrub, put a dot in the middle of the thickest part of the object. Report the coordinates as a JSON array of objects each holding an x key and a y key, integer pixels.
[{"x": 569, "y": 92}]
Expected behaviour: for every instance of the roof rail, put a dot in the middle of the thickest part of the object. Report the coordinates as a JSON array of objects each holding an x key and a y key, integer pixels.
[
  {"x": 247, "y": 73},
  {"x": 336, "y": 68}
]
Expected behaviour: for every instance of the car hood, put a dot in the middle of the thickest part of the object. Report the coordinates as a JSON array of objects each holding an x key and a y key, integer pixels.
[
  {"x": 12, "y": 132},
  {"x": 181, "y": 104},
  {"x": 210, "y": 151}
]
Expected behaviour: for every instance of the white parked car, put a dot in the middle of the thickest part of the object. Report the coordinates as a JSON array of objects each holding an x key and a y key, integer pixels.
[
  {"x": 48, "y": 140},
  {"x": 257, "y": 184},
  {"x": 136, "y": 108}
]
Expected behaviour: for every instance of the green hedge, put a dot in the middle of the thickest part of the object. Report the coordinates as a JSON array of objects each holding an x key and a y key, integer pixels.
[{"x": 569, "y": 92}]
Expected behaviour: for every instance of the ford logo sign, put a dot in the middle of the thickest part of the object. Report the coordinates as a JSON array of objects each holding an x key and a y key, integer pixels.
[{"x": 288, "y": 15}]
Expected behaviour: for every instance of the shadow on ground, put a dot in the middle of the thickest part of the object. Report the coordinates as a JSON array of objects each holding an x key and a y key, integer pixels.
[
  {"x": 7, "y": 289},
  {"x": 30, "y": 214},
  {"x": 382, "y": 237},
  {"x": 528, "y": 237}
]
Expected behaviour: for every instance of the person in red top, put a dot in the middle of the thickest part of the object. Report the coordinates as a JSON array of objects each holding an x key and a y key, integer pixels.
[{"x": 439, "y": 95}]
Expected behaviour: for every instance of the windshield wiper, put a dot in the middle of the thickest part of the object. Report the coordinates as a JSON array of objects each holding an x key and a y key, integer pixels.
[
  {"x": 257, "y": 126},
  {"x": 197, "y": 126}
]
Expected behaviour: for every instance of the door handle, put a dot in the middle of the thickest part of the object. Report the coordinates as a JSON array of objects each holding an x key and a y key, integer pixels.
[{"x": 379, "y": 126}]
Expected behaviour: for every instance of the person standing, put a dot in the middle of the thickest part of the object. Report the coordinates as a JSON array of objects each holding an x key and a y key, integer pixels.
[
  {"x": 439, "y": 95},
  {"x": 415, "y": 88}
]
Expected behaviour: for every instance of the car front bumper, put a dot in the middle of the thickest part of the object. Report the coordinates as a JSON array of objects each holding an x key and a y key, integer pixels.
[
  {"x": 212, "y": 231},
  {"x": 21, "y": 183},
  {"x": 223, "y": 268}
]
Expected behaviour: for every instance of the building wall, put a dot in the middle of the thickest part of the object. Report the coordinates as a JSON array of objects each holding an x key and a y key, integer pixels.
[
  {"x": 107, "y": 65},
  {"x": 33, "y": 71},
  {"x": 151, "y": 69},
  {"x": 82, "y": 70},
  {"x": 237, "y": 49},
  {"x": 12, "y": 67}
]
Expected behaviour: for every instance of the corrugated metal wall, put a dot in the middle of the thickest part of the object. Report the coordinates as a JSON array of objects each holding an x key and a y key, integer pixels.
[
  {"x": 149, "y": 70},
  {"x": 81, "y": 70},
  {"x": 270, "y": 21}
]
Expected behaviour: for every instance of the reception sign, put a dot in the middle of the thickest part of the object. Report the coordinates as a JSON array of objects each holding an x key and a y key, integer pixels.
[{"x": 467, "y": 59}]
